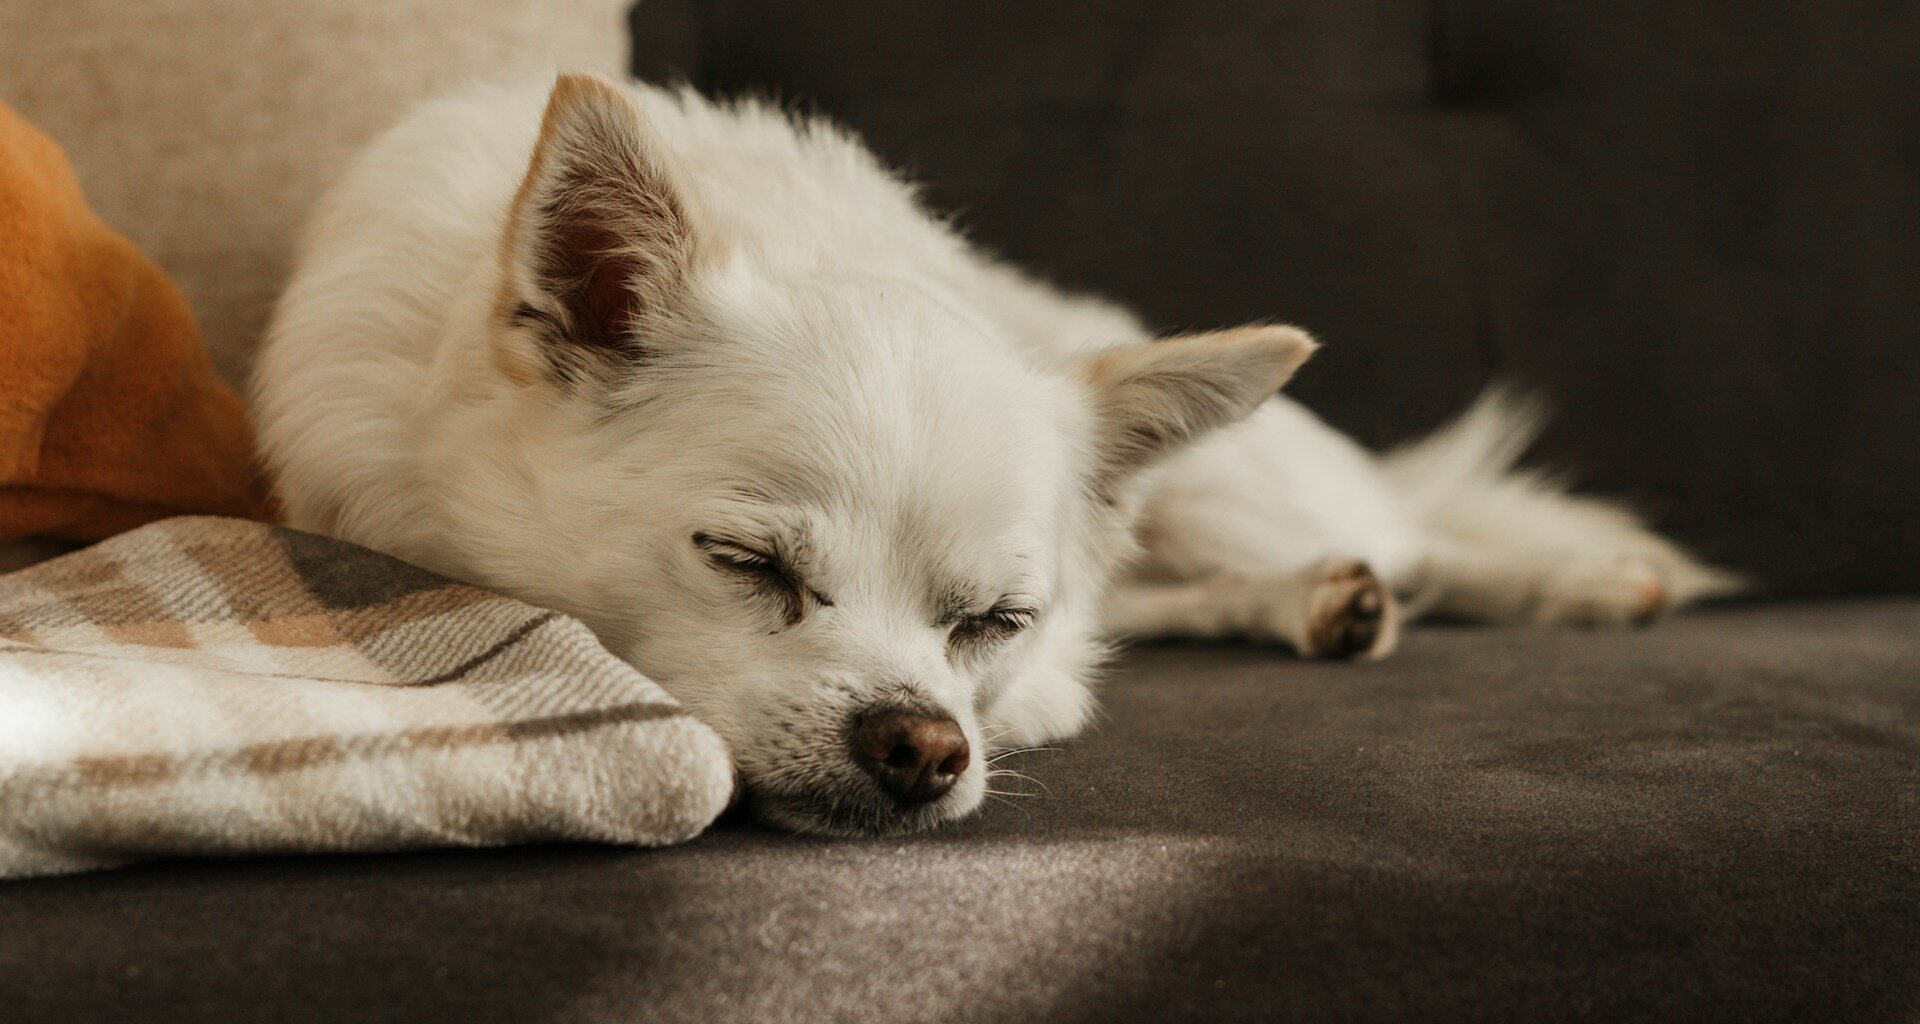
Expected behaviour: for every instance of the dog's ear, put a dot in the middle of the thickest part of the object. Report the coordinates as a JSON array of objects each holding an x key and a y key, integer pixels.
[
  {"x": 1152, "y": 399},
  {"x": 597, "y": 241}
]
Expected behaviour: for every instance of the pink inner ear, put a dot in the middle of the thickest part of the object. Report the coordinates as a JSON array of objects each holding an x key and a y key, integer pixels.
[{"x": 591, "y": 275}]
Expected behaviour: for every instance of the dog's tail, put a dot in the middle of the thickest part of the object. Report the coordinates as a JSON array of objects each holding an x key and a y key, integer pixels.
[{"x": 1466, "y": 487}]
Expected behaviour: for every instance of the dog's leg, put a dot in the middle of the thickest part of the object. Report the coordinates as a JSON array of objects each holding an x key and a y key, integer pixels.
[
  {"x": 1543, "y": 586},
  {"x": 1276, "y": 529},
  {"x": 1335, "y": 608},
  {"x": 1504, "y": 544}
]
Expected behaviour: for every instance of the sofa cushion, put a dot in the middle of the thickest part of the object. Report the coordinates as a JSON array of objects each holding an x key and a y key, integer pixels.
[
  {"x": 205, "y": 129},
  {"x": 1713, "y": 820},
  {"x": 1694, "y": 226}
]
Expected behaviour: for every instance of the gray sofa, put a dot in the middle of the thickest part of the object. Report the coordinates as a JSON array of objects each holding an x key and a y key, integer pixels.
[{"x": 1693, "y": 226}]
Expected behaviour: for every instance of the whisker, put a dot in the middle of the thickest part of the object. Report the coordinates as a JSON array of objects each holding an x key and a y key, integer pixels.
[
  {"x": 1001, "y": 755},
  {"x": 1001, "y": 798},
  {"x": 1008, "y": 773}
]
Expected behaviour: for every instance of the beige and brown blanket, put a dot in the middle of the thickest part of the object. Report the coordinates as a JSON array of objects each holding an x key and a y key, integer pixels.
[{"x": 217, "y": 686}]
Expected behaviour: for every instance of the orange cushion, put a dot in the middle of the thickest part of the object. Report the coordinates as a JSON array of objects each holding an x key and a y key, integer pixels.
[{"x": 111, "y": 414}]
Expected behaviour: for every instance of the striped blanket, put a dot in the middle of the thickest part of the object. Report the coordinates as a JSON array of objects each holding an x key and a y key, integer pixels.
[{"x": 216, "y": 686}]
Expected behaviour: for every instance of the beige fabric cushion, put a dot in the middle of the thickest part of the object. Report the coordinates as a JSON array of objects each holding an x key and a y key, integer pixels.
[{"x": 204, "y": 129}]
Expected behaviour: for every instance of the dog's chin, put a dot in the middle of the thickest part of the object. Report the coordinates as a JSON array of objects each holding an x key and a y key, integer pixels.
[{"x": 857, "y": 815}]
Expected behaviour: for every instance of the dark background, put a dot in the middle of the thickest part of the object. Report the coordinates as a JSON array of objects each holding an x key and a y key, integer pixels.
[{"x": 1694, "y": 227}]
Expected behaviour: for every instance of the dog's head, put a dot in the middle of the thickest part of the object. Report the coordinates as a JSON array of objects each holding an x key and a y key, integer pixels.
[{"x": 843, "y": 518}]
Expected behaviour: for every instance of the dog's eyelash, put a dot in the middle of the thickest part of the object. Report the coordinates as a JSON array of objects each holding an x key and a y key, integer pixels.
[
  {"x": 991, "y": 626},
  {"x": 735, "y": 555},
  {"x": 740, "y": 558}
]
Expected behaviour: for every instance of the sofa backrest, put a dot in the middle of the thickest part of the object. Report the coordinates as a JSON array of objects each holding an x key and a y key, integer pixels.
[
  {"x": 1694, "y": 226},
  {"x": 205, "y": 129}
]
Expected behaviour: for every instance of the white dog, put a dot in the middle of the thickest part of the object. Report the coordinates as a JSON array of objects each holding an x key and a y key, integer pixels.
[{"x": 707, "y": 377}]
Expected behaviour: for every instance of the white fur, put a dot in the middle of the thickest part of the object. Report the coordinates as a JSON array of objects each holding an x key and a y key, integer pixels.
[{"x": 832, "y": 371}]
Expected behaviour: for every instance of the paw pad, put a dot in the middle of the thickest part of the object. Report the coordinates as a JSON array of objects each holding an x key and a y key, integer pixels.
[{"x": 1352, "y": 614}]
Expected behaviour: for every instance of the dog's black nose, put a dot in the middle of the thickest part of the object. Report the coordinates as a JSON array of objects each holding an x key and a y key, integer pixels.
[{"x": 915, "y": 757}]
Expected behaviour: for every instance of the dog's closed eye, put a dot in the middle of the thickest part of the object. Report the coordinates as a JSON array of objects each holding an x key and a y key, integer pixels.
[
  {"x": 764, "y": 571},
  {"x": 990, "y": 627}
]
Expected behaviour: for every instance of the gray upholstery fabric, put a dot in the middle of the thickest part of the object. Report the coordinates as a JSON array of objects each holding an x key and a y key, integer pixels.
[
  {"x": 1714, "y": 820},
  {"x": 1694, "y": 226}
]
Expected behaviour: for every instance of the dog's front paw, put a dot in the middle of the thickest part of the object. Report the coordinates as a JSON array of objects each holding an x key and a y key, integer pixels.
[
  {"x": 1350, "y": 614},
  {"x": 1336, "y": 609}
]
